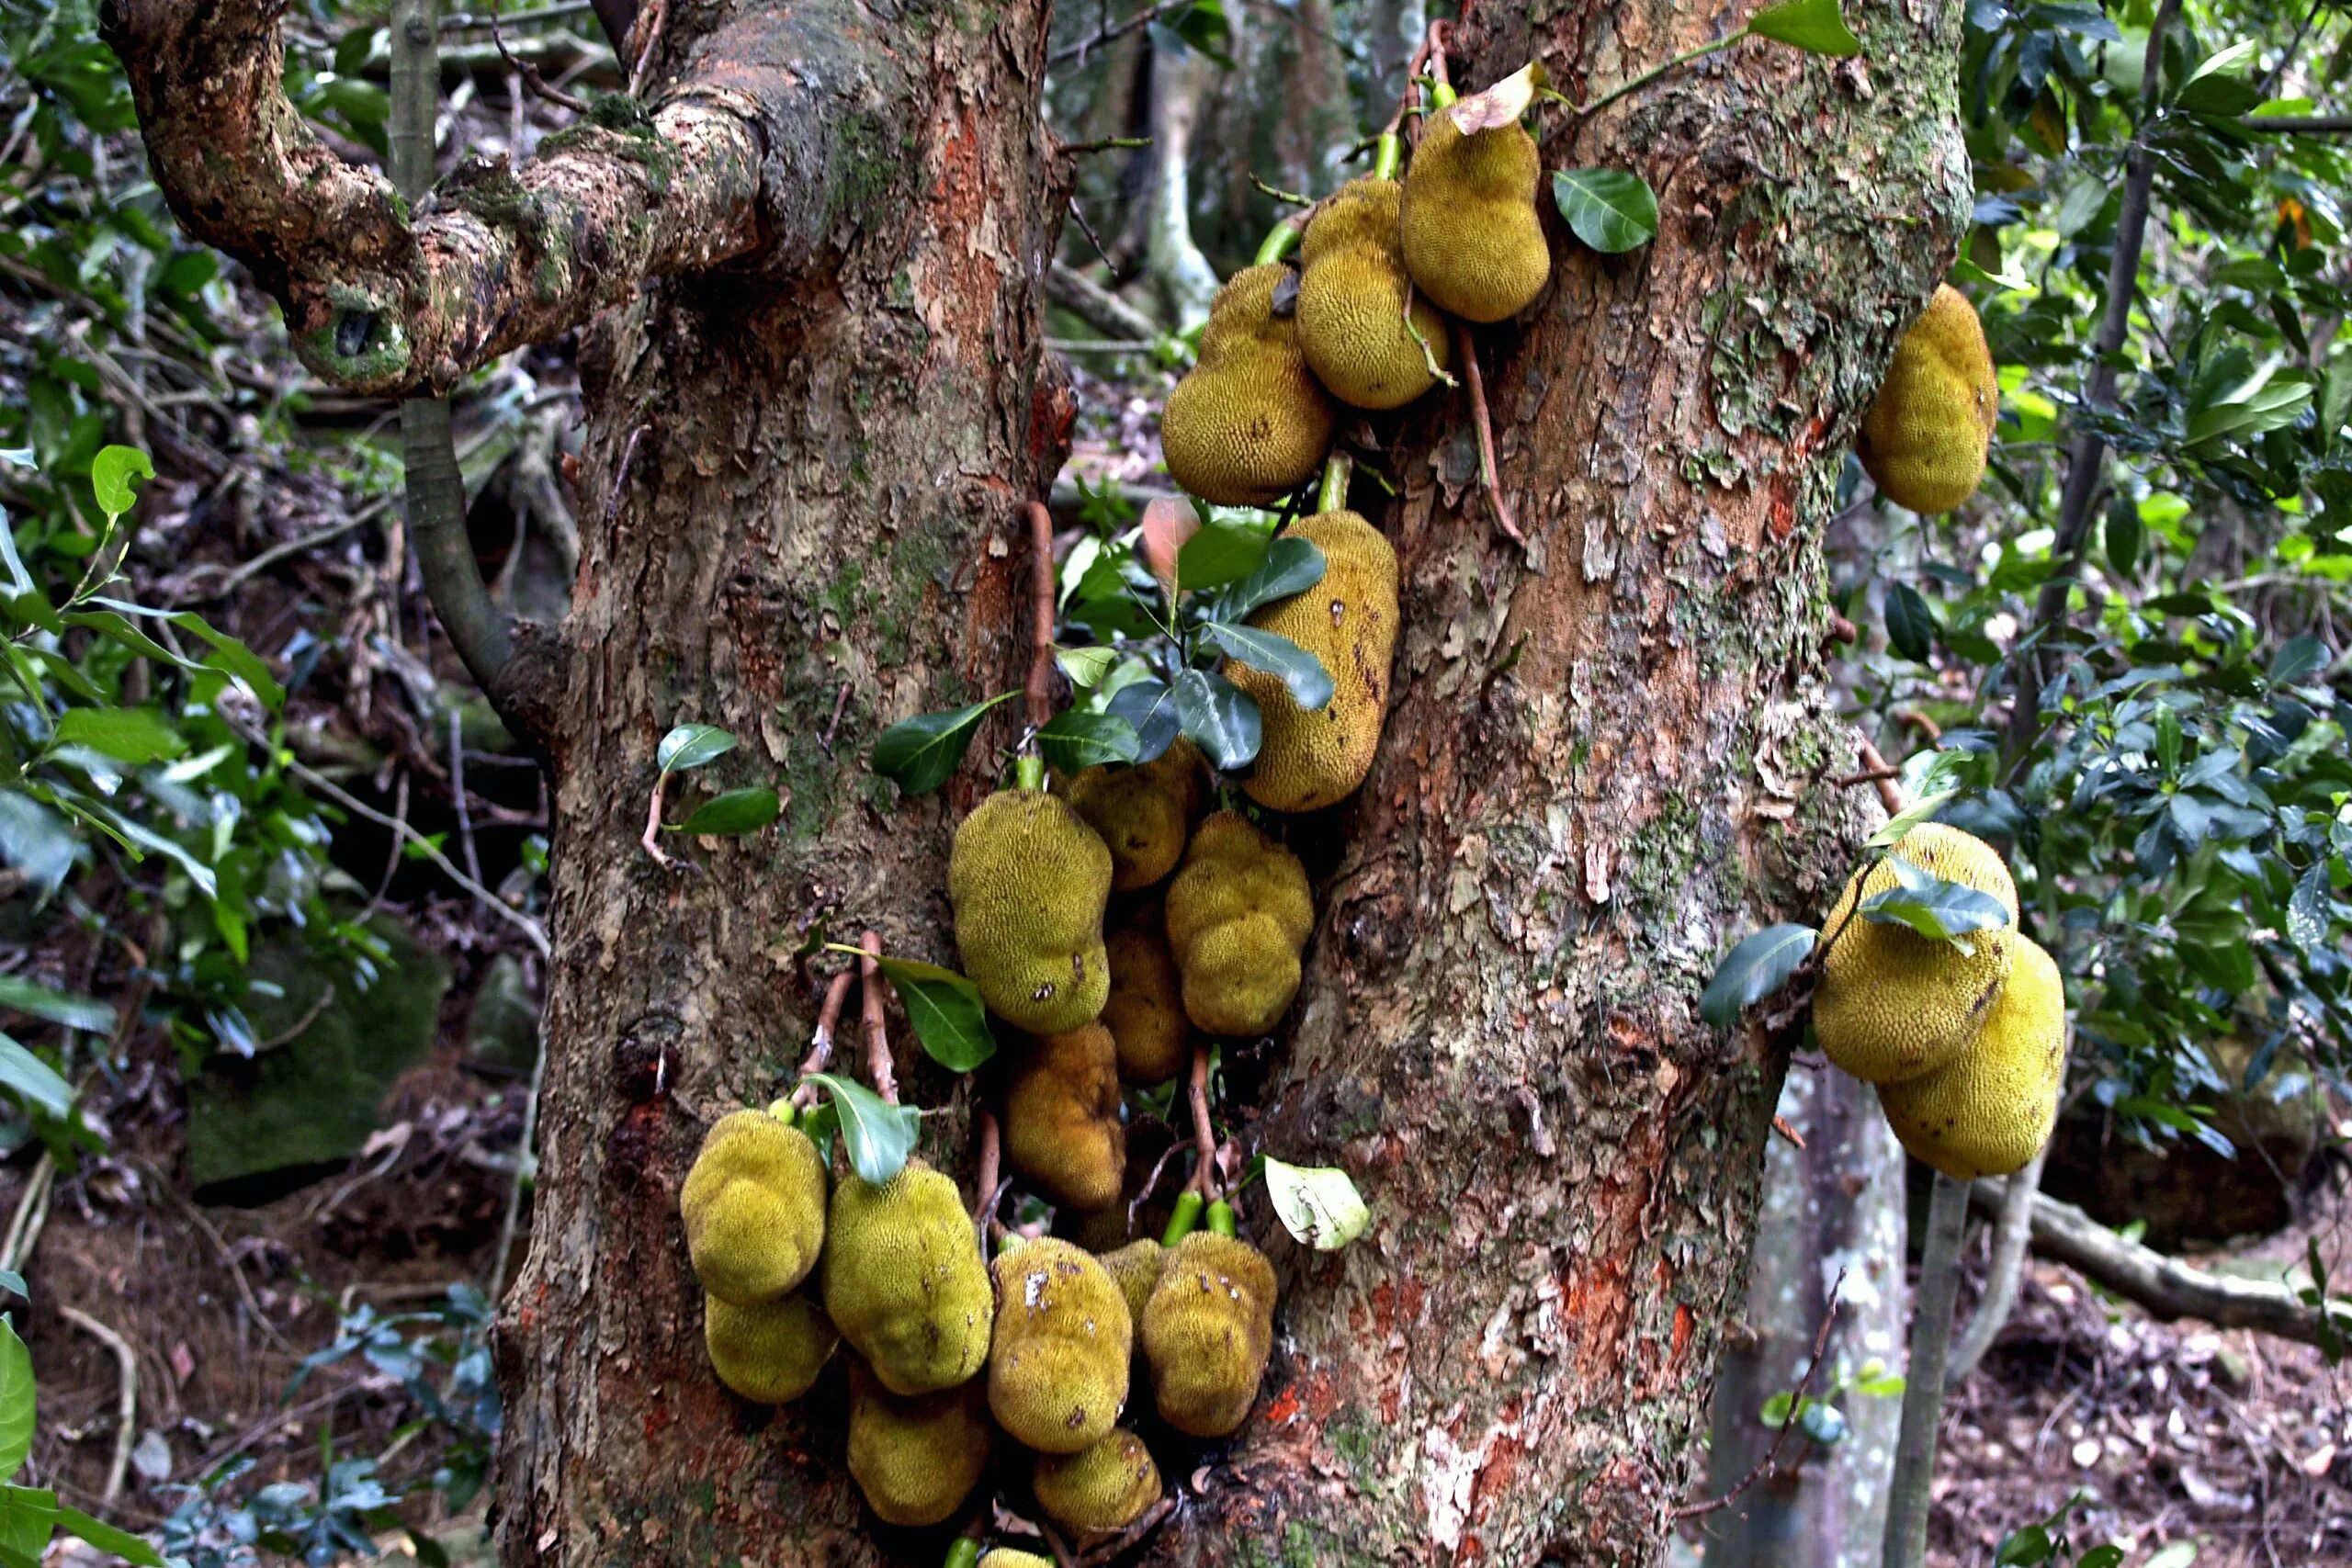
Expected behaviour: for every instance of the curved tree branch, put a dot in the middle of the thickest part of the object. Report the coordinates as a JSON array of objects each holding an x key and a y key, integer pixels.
[{"x": 384, "y": 299}]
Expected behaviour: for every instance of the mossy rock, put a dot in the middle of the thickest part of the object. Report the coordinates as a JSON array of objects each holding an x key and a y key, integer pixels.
[{"x": 261, "y": 1128}]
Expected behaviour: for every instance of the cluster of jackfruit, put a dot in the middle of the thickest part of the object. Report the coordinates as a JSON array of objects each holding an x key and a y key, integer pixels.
[
  {"x": 1238, "y": 916},
  {"x": 754, "y": 1209},
  {"x": 1381, "y": 264},
  {"x": 1967, "y": 1047},
  {"x": 1028, "y": 879},
  {"x": 1926, "y": 437}
]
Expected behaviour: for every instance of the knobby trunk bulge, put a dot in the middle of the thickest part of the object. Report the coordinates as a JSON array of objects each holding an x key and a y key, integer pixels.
[{"x": 808, "y": 434}]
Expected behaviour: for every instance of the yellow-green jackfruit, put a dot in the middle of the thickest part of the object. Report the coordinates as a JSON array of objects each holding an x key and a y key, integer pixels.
[
  {"x": 1894, "y": 1005},
  {"x": 1141, "y": 813},
  {"x": 1005, "y": 1557},
  {"x": 1105, "y": 1487},
  {"x": 1145, "y": 1011},
  {"x": 1352, "y": 293},
  {"x": 1249, "y": 424},
  {"x": 917, "y": 1458},
  {"x": 1991, "y": 1111},
  {"x": 1471, "y": 236},
  {"x": 1238, "y": 915},
  {"x": 1058, "y": 1373},
  {"x": 1028, "y": 879},
  {"x": 904, "y": 1283},
  {"x": 1208, "y": 1332},
  {"x": 754, "y": 1207},
  {"x": 770, "y": 1353},
  {"x": 1062, "y": 1132},
  {"x": 1927, "y": 432},
  {"x": 1307, "y": 761},
  {"x": 1136, "y": 1268}
]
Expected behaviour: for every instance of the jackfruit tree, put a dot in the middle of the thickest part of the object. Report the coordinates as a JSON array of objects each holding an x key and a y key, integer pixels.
[{"x": 806, "y": 261}]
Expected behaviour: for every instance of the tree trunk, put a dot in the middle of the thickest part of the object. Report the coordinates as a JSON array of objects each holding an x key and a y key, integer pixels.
[{"x": 1833, "y": 1208}]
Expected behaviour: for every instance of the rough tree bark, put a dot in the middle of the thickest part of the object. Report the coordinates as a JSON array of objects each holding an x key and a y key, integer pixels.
[{"x": 808, "y": 434}]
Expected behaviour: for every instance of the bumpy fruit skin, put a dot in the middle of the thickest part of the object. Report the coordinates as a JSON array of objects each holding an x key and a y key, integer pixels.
[
  {"x": 1058, "y": 1373},
  {"x": 1894, "y": 1005},
  {"x": 1062, "y": 1132},
  {"x": 1472, "y": 239},
  {"x": 915, "y": 1459},
  {"x": 1141, "y": 813},
  {"x": 1238, "y": 915},
  {"x": 1925, "y": 437},
  {"x": 1988, "y": 1113},
  {"x": 904, "y": 1283},
  {"x": 1136, "y": 1266},
  {"x": 1005, "y": 1557},
  {"x": 1249, "y": 424},
  {"x": 1105, "y": 1487},
  {"x": 1145, "y": 1011},
  {"x": 754, "y": 1206},
  {"x": 1351, "y": 292},
  {"x": 1349, "y": 620},
  {"x": 771, "y": 1353},
  {"x": 1028, "y": 879},
  {"x": 1207, "y": 1331}
]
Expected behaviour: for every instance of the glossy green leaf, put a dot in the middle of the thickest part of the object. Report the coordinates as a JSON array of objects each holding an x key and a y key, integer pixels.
[
  {"x": 1910, "y": 625},
  {"x": 34, "y": 1081},
  {"x": 1086, "y": 666},
  {"x": 1076, "y": 740},
  {"x": 1937, "y": 909},
  {"x": 1149, "y": 708},
  {"x": 1290, "y": 566},
  {"x": 1301, "y": 673},
  {"x": 116, "y": 474},
  {"x": 689, "y": 746},
  {"x": 2298, "y": 659},
  {"x": 28, "y": 1520},
  {"x": 1318, "y": 1204},
  {"x": 1755, "y": 968},
  {"x": 1921, "y": 809},
  {"x": 2125, "y": 533},
  {"x": 57, "y": 1007},
  {"x": 878, "y": 1135},
  {"x": 1220, "y": 552},
  {"x": 737, "y": 812},
  {"x": 1219, "y": 717},
  {"x": 105, "y": 1537},
  {"x": 921, "y": 753},
  {"x": 17, "y": 1400},
  {"x": 1610, "y": 209},
  {"x": 1816, "y": 26},
  {"x": 949, "y": 1018},
  {"x": 128, "y": 735}
]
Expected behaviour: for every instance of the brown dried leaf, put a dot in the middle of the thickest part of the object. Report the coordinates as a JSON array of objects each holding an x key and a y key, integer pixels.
[{"x": 1501, "y": 104}]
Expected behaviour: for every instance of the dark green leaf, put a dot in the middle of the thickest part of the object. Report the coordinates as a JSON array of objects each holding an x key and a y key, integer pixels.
[
  {"x": 690, "y": 746},
  {"x": 36, "y": 841},
  {"x": 1075, "y": 739},
  {"x": 1219, "y": 717},
  {"x": 1755, "y": 968},
  {"x": 1814, "y": 26},
  {"x": 105, "y": 1537},
  {"x": 2298, "y": 658},
  {"x": 12, "y": 1281},
  {"x": 2124, "y": 533},
  {"x": 1610, "y": 209},
  {"x": 879, "y": 1135},
  {"x": 737, "y": 812},
  {"x": 1823, "y": 1424},
  {"x": 1300, "y": 673},
  {"x": 2108, "y": 1556},
  {"x": 1937, "y": 909},
  {"x": 949, "y": 1018},
  {"x": 1220, "y": 552},
  {"x": 115, "y": 477},
  {"x": 2307, "y": 909},
  {"x": 1910, "y": 627},
  {"x": 34, "y": 1081},
  {"x": 57, "y": 1007},
  {"x": 2024, "y": 1549},
  {"x": 920, "y": 754},
  {"x": 128, "y": 735},
  {"x": 16, "y": 1402},
  {"x": 1291, "y": 564},
  {"x": 1149, "y": 708}
]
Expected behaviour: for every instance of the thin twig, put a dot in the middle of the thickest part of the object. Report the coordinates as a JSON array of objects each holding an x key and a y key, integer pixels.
[
  {"x": 1204, "y": 1139},
  {"x": 126, "y": 1392},
  {"x": 1877, "y": 771},
  {"x": 984, "y": 1176},
  {"x": 1107, "y": 145},
  {"x": 1062, "y": 1558},
  {"x": 1487, "y": 474},
  {"x": 651, "y": 841},
  {"x": 526, "y": 1169},
  {"x": 878, "y": 1040},
  {"x": 1781, "y": 1126},
  {"x": 821, "y": 1043},
  {"x": 1151, "y": 1183},
  {"x": 840, "y": 705},
  {"x": 1040, "y": 693},
  {"x": 646, "y": 36},
  {"x": 301, "y": 1025},
  {"x": 458, "y": 789},
  {"x": 539, "y": 84},
  {"x": 1078, "y": 215},
  {"x": 620, "y": 474},
  {"x": 1868, "y": 775},
  {"x": 1771, "y": 1460},
  {"x": 1111, "y": 1546},
  {"x": 2011, "y": 1230},
  {"x": 1291, "y": 196},
  {"x": 32, "y": 1213},
  {"x": 1118, "y": 29},
  {"x": 246, "y": 571},
  {"x": 228, "y": 1258}
]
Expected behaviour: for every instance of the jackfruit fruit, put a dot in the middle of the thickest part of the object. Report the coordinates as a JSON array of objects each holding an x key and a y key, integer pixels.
[
  {"x": 1028, "y": 879},
  {"x": 754, "y": 1207},
  {"x": 1145, "y": 1011},
  {"x": 1988, "y": 1113},
  {"x": 1351, "y": 292},
  {"x": 1238, "y": 914},
  {"x": 904, "y": 1283},
  {"x": 1471, "y": 236},
  {"x": 1141, "y": 813},
  {"x": 1894, "y": 1005},
  {"x": 1207, "y": 1331},
  {"x": 1249, "y": 424},
  {"x": 916, "y": 1458},
  {"x": 1105, "y": 1487},
  {"x": 1307, "y": 761},
  {"x": 770, "y": 1353},
  {"x": 1927, "y": 432},
  {"x": 1136, "y": 1268},
  {"x": 1005, "y": 1557},
  {"x": 1062, "y": 1132},
  {"x": 1058, "y": 1373}
]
